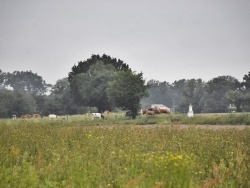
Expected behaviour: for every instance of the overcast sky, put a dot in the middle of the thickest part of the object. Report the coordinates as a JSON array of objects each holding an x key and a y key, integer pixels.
[{"x": 167, "y": 40}]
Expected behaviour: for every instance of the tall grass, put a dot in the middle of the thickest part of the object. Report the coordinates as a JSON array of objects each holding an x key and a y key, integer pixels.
[
  {"x": 219, "y": 119},
  {"x": 76, "y": 153}
]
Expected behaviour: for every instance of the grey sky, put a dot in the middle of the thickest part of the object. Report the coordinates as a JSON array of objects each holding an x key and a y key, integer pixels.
[{"x": 167, "y": 40}]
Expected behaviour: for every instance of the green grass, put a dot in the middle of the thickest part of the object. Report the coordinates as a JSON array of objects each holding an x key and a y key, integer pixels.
[
  {"x": 77, "y": 152},
  {"x": 120, "y": 119}
]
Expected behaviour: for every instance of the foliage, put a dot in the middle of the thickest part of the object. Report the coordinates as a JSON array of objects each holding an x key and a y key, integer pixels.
[
  {"x": 92, "y": 85},
  {"x": 158, "y": 93},
  {"x": 215, "y": 93},
  {"x": 40, "y": 101},
  {"x": 2, "y": 79},
  {"x": 15, "y": 103},
  {"x": 60, "y": 100},
  {"x": 236, "y": 98},
  {"x": 61, "y": 86},
  {"x": 193, "y": 92},
  {"x": 126, "y": 90},
  {"x": 81, "y": 75},
  {"x": 35, "y": 154},
  {"x": 26, "y": 81},
  {"x": 246, "y": 81},
  {"x": 177, "y": 90}
]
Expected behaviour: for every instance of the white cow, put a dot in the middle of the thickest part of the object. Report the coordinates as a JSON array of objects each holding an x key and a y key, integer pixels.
[
  {"x": 52, "y": 116},
  {"x": 97, "y": 115}
]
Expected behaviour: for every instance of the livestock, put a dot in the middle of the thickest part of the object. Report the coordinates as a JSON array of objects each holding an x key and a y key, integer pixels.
[
  {"x": 97, "y": 115},
  {"x": 106, "y": 112},
  {"x": 149, "y": 112},
  {"x": 143, "y": 111},
  {"x": 27, "y": 116},
  {"x": 156, "y": 110},
  {"x": 36, "y": 116},
  {"x": 164, "y": 111},
  {"x": 52, "y": 116}
]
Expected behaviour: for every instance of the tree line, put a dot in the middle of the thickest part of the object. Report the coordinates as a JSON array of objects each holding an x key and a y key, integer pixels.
[
  {"x": 219, "y": 95},
  {"x": 104, "y": 83}
]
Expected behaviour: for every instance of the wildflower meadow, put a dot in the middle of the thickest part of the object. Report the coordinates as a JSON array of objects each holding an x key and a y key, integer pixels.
[{"x": 81, "y": 152}]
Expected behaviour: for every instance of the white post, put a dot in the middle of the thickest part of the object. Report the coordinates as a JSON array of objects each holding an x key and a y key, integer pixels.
[{"x": 190, "y": 111}]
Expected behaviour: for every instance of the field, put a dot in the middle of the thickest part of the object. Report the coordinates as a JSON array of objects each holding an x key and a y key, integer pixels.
[{"x": 76, "y": 151}]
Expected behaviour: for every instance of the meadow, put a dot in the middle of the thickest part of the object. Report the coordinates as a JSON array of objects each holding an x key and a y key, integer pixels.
[{"x": 76, "y": 151}]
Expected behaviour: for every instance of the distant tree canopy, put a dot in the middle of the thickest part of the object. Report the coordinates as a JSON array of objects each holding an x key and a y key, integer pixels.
[
  {"x": 158, "y": 93},
  {"x": 89, "y": 79},
  {"x": 246, "y": 81},
  {"x": 102, "y": 82},
  {"x": 24, "y": 81},
  {"x": 15, "y": 103},
  {"x": 215, "y": 93},
  {"x": 220, "y": 94},
  {"x": 2, "y": 79}
]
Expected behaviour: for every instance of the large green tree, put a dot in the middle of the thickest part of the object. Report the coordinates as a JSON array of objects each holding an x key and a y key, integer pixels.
[
  {"x": 89, "y": 79},
  {"x": 126, "y": 91}
]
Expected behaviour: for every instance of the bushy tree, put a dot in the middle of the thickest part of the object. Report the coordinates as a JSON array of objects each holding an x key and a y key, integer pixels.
[
  {"x": 89, "y": 79},
  {"x": 126, "y": 91}
]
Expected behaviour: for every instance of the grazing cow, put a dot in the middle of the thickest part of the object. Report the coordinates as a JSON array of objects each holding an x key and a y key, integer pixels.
[
  {"x": 106, "y": 112},
  {"x": 143, "y": 111},
  {"x": 52, "y": 116},
  {"x": 36, "y": 116},
  {"x": 156, "y": 110},
  {"x": 164, "y": 111},
  {"x": 97, "y": 115},
  {"x": 149, "y": 112},
  {"x": 27, "y": 116}
]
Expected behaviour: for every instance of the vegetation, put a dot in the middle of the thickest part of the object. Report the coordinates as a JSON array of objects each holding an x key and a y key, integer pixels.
[
  {"x": 89, "y": 80},
  {"x": 126, "y": 90},
  {"x": 74, "y": 152},
  {"x": 87, "y": 85}
]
